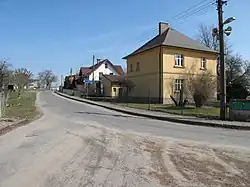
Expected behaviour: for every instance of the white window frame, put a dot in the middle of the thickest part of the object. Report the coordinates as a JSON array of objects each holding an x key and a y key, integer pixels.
[
  {"x": 178, "y": 84},
  {"x": 203, "y": 63},
  {"x": 179, "y": 60}
]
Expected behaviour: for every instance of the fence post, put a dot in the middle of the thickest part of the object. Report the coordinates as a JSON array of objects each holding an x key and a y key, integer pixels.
[
  {"x": 230, "y": 110},
  {"x": 127, "y": 96},
  {"x": 149, "y": 106},
  {"x": 181, "y": 100}
]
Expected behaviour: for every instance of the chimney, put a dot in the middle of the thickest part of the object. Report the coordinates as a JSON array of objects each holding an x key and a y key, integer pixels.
[
  {"x": 98, "y": 60},
  {"x": 162, "y": 27}
]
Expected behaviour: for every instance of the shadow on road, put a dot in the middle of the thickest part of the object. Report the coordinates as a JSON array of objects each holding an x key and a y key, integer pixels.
[{"x": 115, "y": 115}]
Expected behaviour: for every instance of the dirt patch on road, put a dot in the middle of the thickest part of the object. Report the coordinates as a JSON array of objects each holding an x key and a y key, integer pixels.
[
  {"x": 96, "y": 156},
  {"x": 113, "y": 158},
  {"x": 160, "y": 171}
]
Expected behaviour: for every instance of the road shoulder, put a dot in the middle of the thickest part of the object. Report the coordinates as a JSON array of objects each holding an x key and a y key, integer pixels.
[{"x": 12, "y": 122}]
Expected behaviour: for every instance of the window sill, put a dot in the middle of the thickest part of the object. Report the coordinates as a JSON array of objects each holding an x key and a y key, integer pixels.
[
  {"x": 204, "y": 69},
  {"x": 179, "y": 67}
]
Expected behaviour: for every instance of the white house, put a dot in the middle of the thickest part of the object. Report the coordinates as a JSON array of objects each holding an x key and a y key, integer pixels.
[{"x": 104, "y": 67}]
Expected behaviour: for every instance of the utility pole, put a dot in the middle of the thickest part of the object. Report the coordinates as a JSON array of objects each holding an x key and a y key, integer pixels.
[{"x": 223, "y": 101}]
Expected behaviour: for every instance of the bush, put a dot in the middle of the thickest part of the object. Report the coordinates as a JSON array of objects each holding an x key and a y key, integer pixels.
[{"x": 202, "y": 87}]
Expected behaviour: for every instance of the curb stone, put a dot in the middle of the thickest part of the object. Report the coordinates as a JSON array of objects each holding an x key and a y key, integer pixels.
[
  {"x": 13, "y": 126},
  {"x": 162, "y": 118}
]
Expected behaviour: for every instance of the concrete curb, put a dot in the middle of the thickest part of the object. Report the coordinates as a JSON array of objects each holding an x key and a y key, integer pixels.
[
  {"x": 163, "y": 118},
  {"x": 13, "y": 126}
]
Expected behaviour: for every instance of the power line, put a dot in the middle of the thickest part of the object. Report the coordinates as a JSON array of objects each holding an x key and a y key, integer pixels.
[
  {"x": 201, "y": 8},
  {"x": 194, "y": 11},
  {"x": 205, "y": 9},
  {"x": 185, "y": 11}
]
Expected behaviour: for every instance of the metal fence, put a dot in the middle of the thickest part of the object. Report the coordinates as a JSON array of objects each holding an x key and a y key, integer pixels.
[{"x": 126, "y": 99}]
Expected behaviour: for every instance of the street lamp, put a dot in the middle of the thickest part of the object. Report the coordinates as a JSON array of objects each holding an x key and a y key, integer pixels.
[{"x": 229, "y": 20}]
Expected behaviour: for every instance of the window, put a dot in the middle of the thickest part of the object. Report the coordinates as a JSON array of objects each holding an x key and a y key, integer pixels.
[
  {"x": 179, "y": 60},
  {"x": 100, "y": 75},
  {"x": 106, "y": 65},
  {"x": 203, "y": 63},
  {"x": 114, "y": 89},
  {"x": 178, "y": 84},
  {"x": 137, "y": 66},
  {"x": 131, "y": 67}
]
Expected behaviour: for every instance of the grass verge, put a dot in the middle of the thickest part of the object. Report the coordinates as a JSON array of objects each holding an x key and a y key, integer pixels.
[
  {"x": 212, "y": 112},
  {"x": 22, "y": 107}
]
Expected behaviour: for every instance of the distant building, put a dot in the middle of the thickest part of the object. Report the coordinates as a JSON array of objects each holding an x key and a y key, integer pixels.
[
  {"x": 102, "y": 67},
  {"x": 88, "y": 80},
  {"x": 113, "y": 85}
]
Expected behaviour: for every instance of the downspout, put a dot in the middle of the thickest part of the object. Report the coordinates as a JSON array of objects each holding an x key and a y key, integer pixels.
[{"x": 160, "y": 75}]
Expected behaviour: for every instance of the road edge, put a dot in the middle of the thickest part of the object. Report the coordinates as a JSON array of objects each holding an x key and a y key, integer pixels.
[
  {"x": 25, "y": 121},
  {"x": 162, "y": 118}
]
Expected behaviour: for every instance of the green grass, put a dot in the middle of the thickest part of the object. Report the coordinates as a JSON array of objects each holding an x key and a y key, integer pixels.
[
  {"x": 188, "y": 110},
  {"x": 23, "y": 107}
]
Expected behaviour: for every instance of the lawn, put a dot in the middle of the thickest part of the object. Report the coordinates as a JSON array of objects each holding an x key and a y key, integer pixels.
[
  {"x": 188, "y": 110},
  {"x": 22, "y": 107}
]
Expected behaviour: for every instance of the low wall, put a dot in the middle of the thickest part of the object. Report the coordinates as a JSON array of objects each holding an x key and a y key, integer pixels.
[
  {"x": 68, "y": 91},
  {"x": 239, "y": 110}
]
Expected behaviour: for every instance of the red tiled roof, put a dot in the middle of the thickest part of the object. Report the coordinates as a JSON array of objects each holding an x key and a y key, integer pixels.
[
  {"x": 115, "y": 78},
  {"x": 119, "y": 69}
]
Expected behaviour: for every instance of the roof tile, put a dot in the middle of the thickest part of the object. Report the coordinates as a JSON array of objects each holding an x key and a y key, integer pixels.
[{"x": 173, "y": 38}]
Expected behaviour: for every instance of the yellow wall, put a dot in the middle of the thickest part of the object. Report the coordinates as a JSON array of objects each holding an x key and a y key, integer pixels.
[
  {"x": 108, "y": 88},
  {"x": 192, "y": 64},
  {"x": 192, "y": 60},
  {"x": 113, "y": 93},
  {"x": 146, "y": 80}
]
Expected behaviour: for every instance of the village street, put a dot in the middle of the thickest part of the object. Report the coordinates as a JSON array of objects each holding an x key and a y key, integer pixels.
[{"x": 76, "y": 144}]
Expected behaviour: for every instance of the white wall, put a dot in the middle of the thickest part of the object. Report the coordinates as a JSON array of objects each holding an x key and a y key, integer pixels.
[{"x": 102, "y": 69}]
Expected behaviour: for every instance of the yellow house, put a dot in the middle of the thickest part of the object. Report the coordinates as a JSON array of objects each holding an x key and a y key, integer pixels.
[
  {"x": 160, "y": 67},
  {"x": 113, "y": 85}
]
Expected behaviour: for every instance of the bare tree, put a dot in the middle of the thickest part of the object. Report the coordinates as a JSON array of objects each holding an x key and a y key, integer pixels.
[
  {"x": 5, "y": 74},
  {"x": 205, "y": 36},
  {"x": 47, "y": 77},
  {"x": 178, "y": 97},
  {"x": 237, "y": 69},
  {"x": 201, "y": 86},
  {"x": 22, "y": 77}
]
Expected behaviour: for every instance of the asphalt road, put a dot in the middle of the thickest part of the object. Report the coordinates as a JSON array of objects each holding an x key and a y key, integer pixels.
[
  {"x": 76, "y": 144},
  {"x": 73, "y": 110}
]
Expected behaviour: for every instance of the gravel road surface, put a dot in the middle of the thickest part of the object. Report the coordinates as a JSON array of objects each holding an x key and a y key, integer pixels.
[{"x": 76, "y": 144}]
